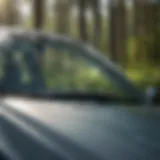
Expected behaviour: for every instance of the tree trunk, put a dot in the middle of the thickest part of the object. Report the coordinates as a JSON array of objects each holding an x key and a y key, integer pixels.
[
  {"x": 152, "y": 30},
  {"x": 97, "y": 21},
  {"x": 38, "y": 13},
  {"x": 82, "y": 20},
  {"x": 147, "y": 31},
  {"x": 139, "y": 9},
  {"x": 121, "y": 32},
  {"x": 112, "y": 33},
  {"x": 62, "y": 14},
  {"x": 8, "y": 12}
]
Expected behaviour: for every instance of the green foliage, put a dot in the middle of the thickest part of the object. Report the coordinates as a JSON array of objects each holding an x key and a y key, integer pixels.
[
  {"x": 144, "y": 58},
  {"x": 145, "y": 48},
  {"x": 144, "y": 76}
]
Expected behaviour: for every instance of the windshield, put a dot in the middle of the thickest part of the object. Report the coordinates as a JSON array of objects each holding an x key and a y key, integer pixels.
[{"x": 59, "y": 65}]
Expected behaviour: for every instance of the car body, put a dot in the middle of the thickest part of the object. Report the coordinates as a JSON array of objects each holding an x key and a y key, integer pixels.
[{"x": 39, "y": 122}]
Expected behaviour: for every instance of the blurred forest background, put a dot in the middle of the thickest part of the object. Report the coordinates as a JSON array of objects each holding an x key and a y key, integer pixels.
[{"x": 126, "y": 31}]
